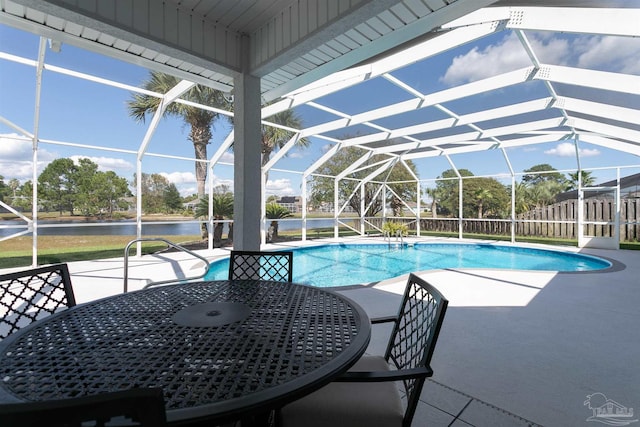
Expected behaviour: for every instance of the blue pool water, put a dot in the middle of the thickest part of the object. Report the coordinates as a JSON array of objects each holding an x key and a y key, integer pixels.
[{"x": 348, "y": 264}]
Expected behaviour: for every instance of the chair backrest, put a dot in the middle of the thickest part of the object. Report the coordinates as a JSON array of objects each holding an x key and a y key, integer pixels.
[
  {"x": 138, "y": 406},
  {"x": 256, "y": 265},
  {"x": 415, "y": 333},
  {"x": 29, "y": 295}
]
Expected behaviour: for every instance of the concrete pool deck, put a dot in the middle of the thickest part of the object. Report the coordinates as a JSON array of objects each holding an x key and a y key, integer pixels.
[{"x": 517, "y": 348}]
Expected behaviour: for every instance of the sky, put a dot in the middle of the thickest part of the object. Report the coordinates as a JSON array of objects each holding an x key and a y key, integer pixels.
[{"x": 83, "y": 112}]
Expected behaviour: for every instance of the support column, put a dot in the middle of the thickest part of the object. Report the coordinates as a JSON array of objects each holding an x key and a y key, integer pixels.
[{"x": 247, "y": 174}]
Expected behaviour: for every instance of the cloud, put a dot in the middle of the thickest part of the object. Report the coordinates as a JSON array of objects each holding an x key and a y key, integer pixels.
[
  {"x": 184, "y": 182},
  {"x": 227, "y": 157},
  {"x": 619, "y": 54},
  {"x": 179, "y": 177},
  {"x": 16, "y": 158},
  {"x": 476, "y": 64},
  {"x": 608, "y": 53},
  {"x": 187, "y": 191},
  {"x": 326, "y": 147},
  {"x": 279, "y": 187},
  {"x": 107, "y": 163},
  {"x": 567, "y": 149}
]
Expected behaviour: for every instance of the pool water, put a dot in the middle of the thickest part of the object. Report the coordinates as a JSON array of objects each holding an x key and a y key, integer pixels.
[{"x": 348, "y": 264}]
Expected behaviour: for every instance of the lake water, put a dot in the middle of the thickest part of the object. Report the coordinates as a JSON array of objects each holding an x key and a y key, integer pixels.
[{"x": 84, "y": 228}]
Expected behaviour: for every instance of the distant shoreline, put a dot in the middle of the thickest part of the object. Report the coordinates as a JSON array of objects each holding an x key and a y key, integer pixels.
[{"x": 76, "y": 218}]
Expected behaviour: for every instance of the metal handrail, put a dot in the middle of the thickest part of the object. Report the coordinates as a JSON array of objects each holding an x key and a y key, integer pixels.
[
  {"x": 173, "y": 245},
  {"x": 387, "y": 235}
]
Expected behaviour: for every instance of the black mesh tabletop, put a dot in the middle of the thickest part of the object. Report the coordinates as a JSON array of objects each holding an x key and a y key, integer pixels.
[{"x": 218, "y": 349}]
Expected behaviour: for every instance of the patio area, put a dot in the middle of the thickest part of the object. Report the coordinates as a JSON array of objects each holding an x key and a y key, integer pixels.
[{"x": 517, "y": 348}]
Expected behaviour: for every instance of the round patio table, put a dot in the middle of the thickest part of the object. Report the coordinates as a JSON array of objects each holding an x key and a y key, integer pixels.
[{"x": 220, "y": 350}]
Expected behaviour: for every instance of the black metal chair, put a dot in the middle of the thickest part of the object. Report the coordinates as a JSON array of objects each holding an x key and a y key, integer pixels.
[
  {"x": 367, "y": 394},
  {"x": 29, "y": 295},
  {"x": 134, "y": 407},
  {"x": 257, "y": 265}
]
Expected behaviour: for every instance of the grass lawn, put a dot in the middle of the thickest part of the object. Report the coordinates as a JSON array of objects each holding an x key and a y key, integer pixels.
[{"x": 52, "y": 249}]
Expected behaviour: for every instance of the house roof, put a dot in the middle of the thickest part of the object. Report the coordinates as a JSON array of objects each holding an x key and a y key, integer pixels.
[{"x": 629, "y": 184}]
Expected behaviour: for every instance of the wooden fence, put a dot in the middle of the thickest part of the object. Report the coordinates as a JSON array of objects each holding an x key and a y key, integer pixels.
[{"x": 556, "y": 221}]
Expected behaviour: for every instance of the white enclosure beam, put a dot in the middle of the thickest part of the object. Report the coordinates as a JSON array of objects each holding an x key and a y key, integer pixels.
[
  {"x": 598, "y": 109},
  {"x": 602, "y": 21},
  {"x": 465, "y": 119},
  {"x": 352, "y": 76},
  {"x": 617, "y": 82},
  {"x": 182, "y": 87},
  {"x": 462, "y": 91},
  {"x": 607, "y": 130},
  {"x": 612, "y": 144},
  {"x": 473, "y": 137}
]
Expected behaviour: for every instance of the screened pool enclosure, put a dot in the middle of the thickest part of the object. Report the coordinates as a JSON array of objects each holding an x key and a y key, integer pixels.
[{"x": 423, "y": 113}]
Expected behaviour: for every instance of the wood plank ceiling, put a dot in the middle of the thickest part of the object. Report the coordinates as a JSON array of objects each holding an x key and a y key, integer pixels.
[{"x": 287, "y": 43}]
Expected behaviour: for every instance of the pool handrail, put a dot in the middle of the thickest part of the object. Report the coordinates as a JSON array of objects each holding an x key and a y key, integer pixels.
[
  {"x": 173, "y": 245},
  {"x": 387, "y": 237}
]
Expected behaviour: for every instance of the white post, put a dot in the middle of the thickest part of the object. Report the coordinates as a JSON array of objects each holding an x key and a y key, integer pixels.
[
  {"x": 304, "y": 208},
  {"x": 139, "y": 206},
  {"x": 460, "y": 205},
  {"x": 247, "y": 168},
  {"x": 335, "y": 208},
  {"x": 418, "y": 207},
  {"x": 362, "y": 207}
]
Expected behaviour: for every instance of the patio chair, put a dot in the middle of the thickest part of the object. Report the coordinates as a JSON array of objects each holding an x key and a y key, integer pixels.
[
  {"x": 368, "y": 395},
  {"x": 29, "y": 295},
  {"x": 134, "y": 407},
  {"x": 256, "y": 265}
]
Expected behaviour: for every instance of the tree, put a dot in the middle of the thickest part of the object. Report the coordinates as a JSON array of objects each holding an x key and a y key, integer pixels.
[
  {"x": 108, "y": 189},
  {"x": 4, "y": 189},
  {"x": 84, "y": 180},
  {"x": 543, "y": 187},
  {"x": 544, "y": 193},
  {"x": 154, "y": 187},
  {"x": 24, "y": 197},
  {"x": 222, "y": 208},
  {"x": 482, "y": 197},
  {"x": 586, "y": 179},
  {"x": 447, "y": 188},
  {"x": 275, "y": 211},
  {"x": 276, "y": 137},
  {"x": 522, "y": 198},
  {"x": 172, "y": 198},
  {"x": 323, "y": 186},
  {"x": 435, "y": 195},
  {"x": 485, "y": 197},
  {"x": 14, "y": 185},
  {"x": 542, "y": 172},
  {"x": 57, "y": 185},
  {"x": 199, "y": 120}
]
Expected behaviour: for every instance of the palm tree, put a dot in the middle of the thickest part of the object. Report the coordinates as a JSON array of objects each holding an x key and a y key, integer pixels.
[
  {"x": 434, "y": 193},
  {"x": 222, "y": 208},
  {"x": 275, "y": 211},
  {"x": 276, "y": 137},
  {"x": 482, "y": 195},
  {"x": 198, "y": 119},
  {"x": 545, "y": 192},
  {"x": 522, "y": 197},
  {"x": 585, "y": 177}
]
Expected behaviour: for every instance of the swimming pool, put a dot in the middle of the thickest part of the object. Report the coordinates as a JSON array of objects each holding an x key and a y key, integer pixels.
[{"x": 349, "y": 264}]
